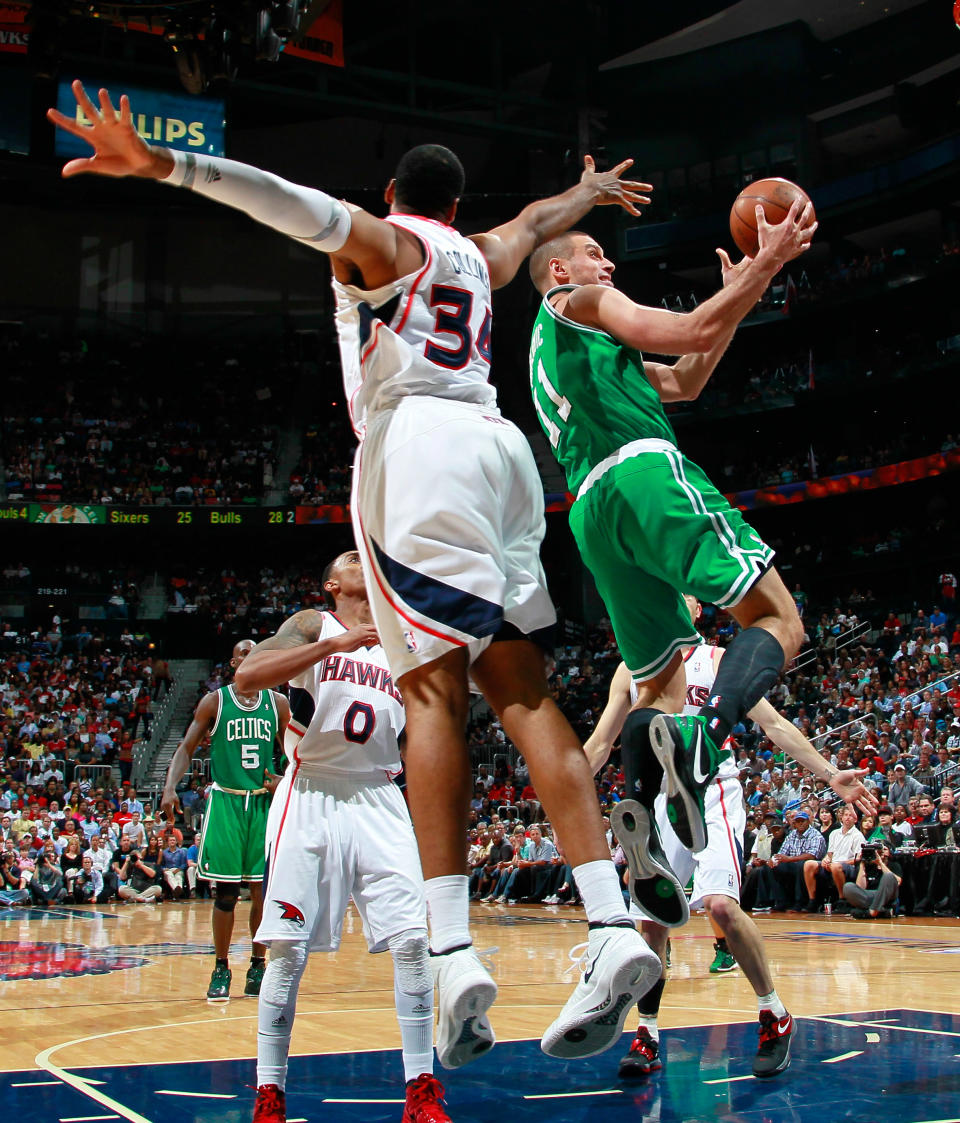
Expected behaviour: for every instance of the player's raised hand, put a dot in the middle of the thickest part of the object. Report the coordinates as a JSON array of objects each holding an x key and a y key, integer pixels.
[
  {"x": 783, "y": 241},
  {"x": 363, "y": 635},
  {"x": 729, "y": 271},
  {"x": 847, "y": 785},
  {"x": 118, "y": 150},
  {"x": 626, "y": 193}
]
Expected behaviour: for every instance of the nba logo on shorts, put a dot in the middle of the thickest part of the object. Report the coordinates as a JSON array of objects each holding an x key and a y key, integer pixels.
[{"x": 411, "y": 642}]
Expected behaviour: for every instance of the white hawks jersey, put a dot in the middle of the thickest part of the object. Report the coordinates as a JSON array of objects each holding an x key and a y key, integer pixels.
[
  {"x": 700, "y": 672},
  {"x": 426, "y": 333},
  {"x": 345, "y": 712}
]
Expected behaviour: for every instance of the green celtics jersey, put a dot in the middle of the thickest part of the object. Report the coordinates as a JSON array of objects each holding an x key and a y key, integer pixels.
[
  {"x": 590, "y": 392},
  {"x": 241, "y": 741}
]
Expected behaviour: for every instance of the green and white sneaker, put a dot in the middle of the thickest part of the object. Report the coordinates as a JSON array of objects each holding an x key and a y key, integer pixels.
[
  {"x": 723, "y": 961},
  {"x": 219, "y": 988},
  {"x": 654, "y": 887},
  {"x": 255, "y": 972},
  {"x": 690, "y": 760}
]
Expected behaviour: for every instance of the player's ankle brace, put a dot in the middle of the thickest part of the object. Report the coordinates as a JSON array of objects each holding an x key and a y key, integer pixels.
[
  {"x": 639, "y": 761},
  {"x": 749, "y": 668}
]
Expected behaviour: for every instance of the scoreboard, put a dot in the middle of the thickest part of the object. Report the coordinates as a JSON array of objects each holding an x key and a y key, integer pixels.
[{"x": 69, "y": 514}]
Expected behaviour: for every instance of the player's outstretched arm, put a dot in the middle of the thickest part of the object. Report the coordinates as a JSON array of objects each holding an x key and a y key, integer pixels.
[
  {"x": 785, "y": 735},
  {"x": 704, "y": 329},
  {"x": 686, "y": 378},
  {"x": 294, "y": 648},
  {"x": 506, "y": 247},
  {"x": 310, "y": 216},
  {"x": 203, "y": 718},
  {"x": 599, "y": 744}
]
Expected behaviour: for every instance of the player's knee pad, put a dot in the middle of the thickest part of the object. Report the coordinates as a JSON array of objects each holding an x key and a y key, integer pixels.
[
  {"x": 225, "y": 897},
  {"x": 411, "y": 961},
  {"x": 280, "y": 986}
]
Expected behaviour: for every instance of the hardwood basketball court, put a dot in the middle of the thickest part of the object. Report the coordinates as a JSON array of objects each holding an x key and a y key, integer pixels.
[{"x": 106, "y": 1019}]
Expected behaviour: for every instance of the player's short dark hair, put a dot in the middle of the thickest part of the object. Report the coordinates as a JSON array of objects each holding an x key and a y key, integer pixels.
[
  {"x": 328, "y": 569},
  {"x": 561, "y": 246},
  {"x": 429, "y": 179}
]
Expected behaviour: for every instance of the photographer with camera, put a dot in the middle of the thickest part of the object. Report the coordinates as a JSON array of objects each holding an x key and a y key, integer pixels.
[{"x": 877, "y": 883}]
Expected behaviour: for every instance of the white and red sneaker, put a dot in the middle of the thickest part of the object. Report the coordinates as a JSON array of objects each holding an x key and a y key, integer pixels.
[
  {"x": 271, "y": 1105},
  {"x": 424, "y": 1099},
  {"x": 773, "y": 1056}
]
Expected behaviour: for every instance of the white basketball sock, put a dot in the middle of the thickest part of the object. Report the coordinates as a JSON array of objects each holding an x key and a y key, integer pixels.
[
  {"x": 601, "y": 893},
  {"x": 771, "y": 1002},
  {"x": 277, "y": 1008},
  {"x": 413, "y": 995},
  {"x": 449, "y": 905}
]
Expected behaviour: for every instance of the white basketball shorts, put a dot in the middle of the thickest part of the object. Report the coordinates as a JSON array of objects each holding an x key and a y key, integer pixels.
[
  {"x": 331, "y": 837},
  {"x": 718, "y": 868},
  {"x": 448, "y": 517}
]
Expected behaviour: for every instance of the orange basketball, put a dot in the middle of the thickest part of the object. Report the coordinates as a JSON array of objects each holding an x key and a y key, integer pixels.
[{"x": 775, "y": 195}]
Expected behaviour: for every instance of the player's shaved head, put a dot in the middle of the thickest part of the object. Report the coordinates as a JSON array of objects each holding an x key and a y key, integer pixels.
[
  {"x": 241, "y": 650},
  {"x": 429, "y": 179}
]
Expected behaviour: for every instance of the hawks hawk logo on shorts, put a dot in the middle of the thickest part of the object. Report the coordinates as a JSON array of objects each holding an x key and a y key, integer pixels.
[{"x": 290, "y": 912}]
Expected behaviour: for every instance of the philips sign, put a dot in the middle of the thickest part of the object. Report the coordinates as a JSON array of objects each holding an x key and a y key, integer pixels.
[{"x": 190, "y": 124}]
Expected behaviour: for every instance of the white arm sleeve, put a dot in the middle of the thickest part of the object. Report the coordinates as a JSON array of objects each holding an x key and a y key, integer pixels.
[{"x": 303, "y": 213}]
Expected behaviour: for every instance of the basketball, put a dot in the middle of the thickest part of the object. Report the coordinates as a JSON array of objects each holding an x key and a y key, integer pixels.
[{"x": 776, "y": 195}]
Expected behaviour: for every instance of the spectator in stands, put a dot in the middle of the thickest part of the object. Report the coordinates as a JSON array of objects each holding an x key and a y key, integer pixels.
[
  {"x": 101, "y": 856},
  {"x": 780, "y": 881},
  {"x": 903, "y": 786},
  {"x": 12, "y": 891},
  {"x": 877, "y": 884},
  {"x": 173, "y": 866},
  {"x": 88, "y": 883},
  {"x": 46, "y": 885},
  {"x": 135, "y": 831},
  {"x": 144, "y": 882},
  {"x": 839, "y": 863}
]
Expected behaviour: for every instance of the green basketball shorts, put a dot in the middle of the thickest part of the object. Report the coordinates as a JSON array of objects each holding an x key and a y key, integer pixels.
[
  {"x": 650, "y": 526},
  {"x": 232, "y": 840}
]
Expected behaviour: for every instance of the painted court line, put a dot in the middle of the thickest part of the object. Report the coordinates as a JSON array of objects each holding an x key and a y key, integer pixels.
[
  {"x": 873, "y": 1038},
  {"x": 879, "y": 1025},
  {"x": 729, "y": 1079},
  {"x": 330, "y": 1101},
  {"x": 42, "y": 1060},
  {"x": 84, "y": 1118},
  {"x": 34, "y": 1083},
  {"x": 572, "y": 1095},
  {"x": 196, "y": 1095},
  {"x": 842, "y": 1057}
]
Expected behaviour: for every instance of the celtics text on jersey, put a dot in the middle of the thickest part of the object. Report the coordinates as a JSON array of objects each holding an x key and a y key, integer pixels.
[{"x": 241, "y": 740}]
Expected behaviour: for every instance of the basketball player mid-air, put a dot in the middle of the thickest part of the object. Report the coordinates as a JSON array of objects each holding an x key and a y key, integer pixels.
[
  {"x": 448, "y": 517},
  {"x": 243, "y": 726},
  {"x": 648, "y": 839},
  {"x": 647, "y": 521},
  {"x": 339, "y": 827}
]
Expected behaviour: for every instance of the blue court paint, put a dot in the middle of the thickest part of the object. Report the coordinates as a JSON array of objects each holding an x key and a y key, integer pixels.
[{"x": 904, "y": 1077}]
